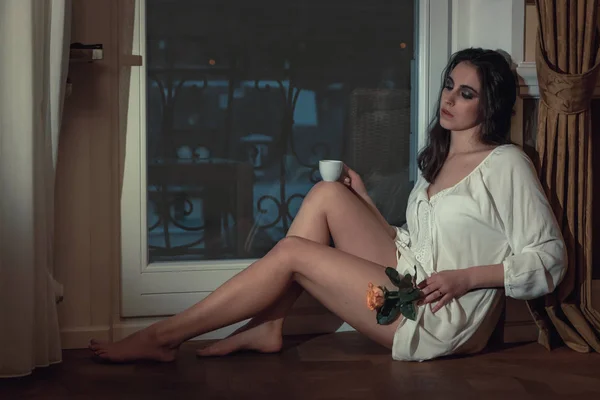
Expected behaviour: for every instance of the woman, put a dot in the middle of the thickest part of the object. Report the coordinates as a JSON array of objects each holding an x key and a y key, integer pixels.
[{"x": 478, "y": 220}]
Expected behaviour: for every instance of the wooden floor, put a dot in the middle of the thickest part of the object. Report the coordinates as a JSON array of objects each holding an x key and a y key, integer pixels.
[{"x": 336, "y": 366}]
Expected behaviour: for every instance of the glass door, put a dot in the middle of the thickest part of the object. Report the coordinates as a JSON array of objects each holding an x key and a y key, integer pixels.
[{"x": 243, "y": 98}]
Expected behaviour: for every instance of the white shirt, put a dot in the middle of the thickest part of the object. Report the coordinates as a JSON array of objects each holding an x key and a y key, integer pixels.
[{"x": 496, "y": 214}]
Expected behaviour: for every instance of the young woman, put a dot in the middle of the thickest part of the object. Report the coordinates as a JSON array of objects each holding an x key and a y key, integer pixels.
[{"x": 477, "y": 221}]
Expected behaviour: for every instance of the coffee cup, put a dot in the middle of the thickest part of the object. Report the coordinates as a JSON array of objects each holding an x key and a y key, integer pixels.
[{"x": 330, "y": 170}]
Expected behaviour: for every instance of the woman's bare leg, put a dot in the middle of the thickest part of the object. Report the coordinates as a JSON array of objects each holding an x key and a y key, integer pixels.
[
  {"x": 329, "y": 208},
  {"x": 335, "y": 278}
]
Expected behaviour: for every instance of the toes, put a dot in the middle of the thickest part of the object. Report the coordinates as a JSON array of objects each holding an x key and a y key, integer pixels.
[
  {"x": 204, "y": 352},
  {"x": 211, "y": 350},
  {"x": 95, "y": 344}
]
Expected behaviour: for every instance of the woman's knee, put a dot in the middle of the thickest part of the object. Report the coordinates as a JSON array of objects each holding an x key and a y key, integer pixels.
[
  {"x": 294, "y": 254},
  {"x": 289, "y": 249},
  {"x": 326, "y": 192}
]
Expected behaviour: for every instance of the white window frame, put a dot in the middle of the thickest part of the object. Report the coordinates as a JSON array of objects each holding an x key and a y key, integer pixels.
[{"x": 160, "y": 289}]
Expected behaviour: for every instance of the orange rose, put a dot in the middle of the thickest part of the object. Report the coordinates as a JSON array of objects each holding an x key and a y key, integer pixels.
[{"x": 375, "y": 297}]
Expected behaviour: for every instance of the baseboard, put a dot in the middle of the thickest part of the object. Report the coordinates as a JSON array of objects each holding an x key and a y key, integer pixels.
[
  {"x": 79, "y": 337},
  {"x": 127, "y": 327},
  {"x": 299, "y": 323},
  {"x": 519, "y": 332},
  {"x": 518, "y": 322}
]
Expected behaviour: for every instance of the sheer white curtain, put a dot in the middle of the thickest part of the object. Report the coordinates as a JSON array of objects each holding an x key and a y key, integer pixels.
[{"x": 34, "y": 38}]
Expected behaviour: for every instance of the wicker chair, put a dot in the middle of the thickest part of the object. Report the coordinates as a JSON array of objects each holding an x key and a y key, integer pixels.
[{"x": 378, "y": 147}]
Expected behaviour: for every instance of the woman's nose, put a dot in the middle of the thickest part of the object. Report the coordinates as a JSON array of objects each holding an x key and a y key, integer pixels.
[{"x": 449, "y": 99}]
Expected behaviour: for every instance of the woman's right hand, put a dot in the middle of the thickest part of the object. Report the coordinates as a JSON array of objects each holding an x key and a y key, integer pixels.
[{"x": 353, "y": 181}]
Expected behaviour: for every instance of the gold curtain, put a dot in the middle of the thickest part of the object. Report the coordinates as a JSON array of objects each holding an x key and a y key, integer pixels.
[{"x": 567, "y": 59}]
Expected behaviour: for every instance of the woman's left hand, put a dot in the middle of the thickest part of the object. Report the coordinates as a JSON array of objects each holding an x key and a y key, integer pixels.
[
  {"x": 443, "y": 287},
  {"x": 353, "y": 181}
]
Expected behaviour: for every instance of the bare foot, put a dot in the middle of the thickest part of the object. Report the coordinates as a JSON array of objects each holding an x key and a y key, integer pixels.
[
  {"x": 264, "y": 338},
  {"x": 140, "y": 346}
]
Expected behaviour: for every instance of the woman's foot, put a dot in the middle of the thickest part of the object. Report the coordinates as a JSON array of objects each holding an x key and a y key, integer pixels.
[
  {"x": 264, "y": 338},
  {"x": 140, "y": 346}
]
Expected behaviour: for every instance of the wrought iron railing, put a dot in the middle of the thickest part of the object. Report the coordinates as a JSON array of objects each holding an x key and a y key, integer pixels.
[{"x": 172, "y": 206}]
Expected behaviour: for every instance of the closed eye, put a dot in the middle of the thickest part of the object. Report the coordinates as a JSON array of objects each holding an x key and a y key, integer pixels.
[
  {"x": 449, "y": 84},
  {"x": 466, "y": 94}
]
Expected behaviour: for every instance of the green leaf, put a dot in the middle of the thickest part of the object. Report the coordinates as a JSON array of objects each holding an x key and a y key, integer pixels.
[
  {"x": 406, "y": 282},
  {"x": 402, "y": 282},
  {"x": 391, "y": 294},
  {"x": 388, "y": 312},
  {"x": 408, "y": 310},
  {"x": 401, "y": 301},
  {"x": 408, "y": 295},
  {"x": 386, "y": 318},
  {"x": 387, "y": 307},
  {"x": 393, "y": 275}
]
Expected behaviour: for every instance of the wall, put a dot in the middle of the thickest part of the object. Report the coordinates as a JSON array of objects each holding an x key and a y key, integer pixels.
[
  {"x": 86, "y": 200},
  {"x": 531, "y": 25}
]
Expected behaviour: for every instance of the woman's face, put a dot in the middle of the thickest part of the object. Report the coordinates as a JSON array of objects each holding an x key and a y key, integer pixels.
[{"x": 459, "y": 105}]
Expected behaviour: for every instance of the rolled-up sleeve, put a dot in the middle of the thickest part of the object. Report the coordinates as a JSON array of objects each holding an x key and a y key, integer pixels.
[{"x": 539, "y": 258}]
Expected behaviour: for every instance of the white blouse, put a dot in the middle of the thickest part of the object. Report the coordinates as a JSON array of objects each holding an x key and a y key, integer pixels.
[{"x": 496, "y": 214}]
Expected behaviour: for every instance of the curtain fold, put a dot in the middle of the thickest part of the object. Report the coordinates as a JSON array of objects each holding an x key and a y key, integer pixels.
[
  {"x": 568, "y": 62},
  {"x": 34, "y": 37}
]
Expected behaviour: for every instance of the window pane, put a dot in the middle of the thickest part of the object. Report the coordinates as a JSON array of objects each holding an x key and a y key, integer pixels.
[{"x": 245, "y": 98}]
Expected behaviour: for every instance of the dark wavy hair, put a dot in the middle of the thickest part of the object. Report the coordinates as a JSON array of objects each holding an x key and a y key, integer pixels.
[{"x": 497, "y": 99}]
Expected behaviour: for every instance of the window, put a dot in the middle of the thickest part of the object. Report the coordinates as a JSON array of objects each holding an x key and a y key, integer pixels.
[{"x": 233, "y": 109}]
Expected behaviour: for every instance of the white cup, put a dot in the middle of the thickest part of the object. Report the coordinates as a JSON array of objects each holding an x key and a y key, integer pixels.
[{"x": 330, "y": 170}]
